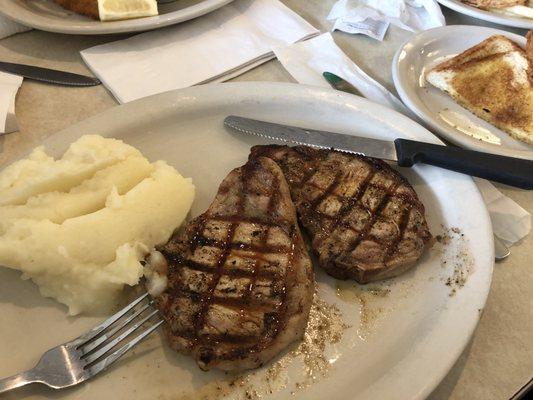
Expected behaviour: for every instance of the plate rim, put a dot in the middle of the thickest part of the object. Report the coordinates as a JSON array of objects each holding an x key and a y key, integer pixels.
[
  {"x": 21, "y": 15},
  {"x": 413, "y": 101},
  {"x": 515, "y": 22},
  {"x": 271, "y": 91}
]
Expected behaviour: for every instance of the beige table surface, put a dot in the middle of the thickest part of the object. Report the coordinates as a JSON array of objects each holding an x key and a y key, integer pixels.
[{"x": 499, "y": 358}]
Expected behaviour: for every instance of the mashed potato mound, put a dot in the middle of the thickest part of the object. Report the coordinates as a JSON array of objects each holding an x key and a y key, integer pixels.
[
  {"x": 85, "y": 198},
  {"x": 82, "y": 242},
  {"x": 40, "y": 173}
]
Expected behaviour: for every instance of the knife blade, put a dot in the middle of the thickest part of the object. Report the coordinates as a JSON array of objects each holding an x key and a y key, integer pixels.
[
  {"x": 324, "y": 140},
  {"x": 511, "y": 171},
  {"x": 48, "y": 75}
]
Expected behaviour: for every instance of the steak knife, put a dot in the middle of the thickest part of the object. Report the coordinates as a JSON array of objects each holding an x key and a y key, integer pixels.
[
  {"x": 511, "y": 171},
  {"x": 48, "y": 75}
]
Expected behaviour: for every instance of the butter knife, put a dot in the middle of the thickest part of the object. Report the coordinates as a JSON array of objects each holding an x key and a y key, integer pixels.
[
  {"x": 511, "y": 171},
  {"x": 48, "y": 75}
]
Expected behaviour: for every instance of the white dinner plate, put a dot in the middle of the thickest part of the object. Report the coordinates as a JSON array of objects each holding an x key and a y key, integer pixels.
[
  {"x": 438, "y": 110},
  {"x": 402, "y": 335},
  {"x": 48, "y": 16},
  {"x": 491, "y": 16}
]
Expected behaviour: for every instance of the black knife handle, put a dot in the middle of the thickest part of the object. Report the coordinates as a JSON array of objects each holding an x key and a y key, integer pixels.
[{"x": 511, "y": 171}]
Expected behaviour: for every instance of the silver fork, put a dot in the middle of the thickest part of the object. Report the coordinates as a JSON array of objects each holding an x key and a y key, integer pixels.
[{"x": 84, "y": 357}]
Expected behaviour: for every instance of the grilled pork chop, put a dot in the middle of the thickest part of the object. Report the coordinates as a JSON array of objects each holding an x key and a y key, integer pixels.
[
  {"x": 365, "y": 219},
  {"x": 240, "y": 282}
]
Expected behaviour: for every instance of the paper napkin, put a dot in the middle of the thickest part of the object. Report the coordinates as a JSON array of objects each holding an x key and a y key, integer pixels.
[
  {"x": 307, "y": 61},
  {"x": 9, "y": 85},
  {"x": 510, "y": 222},
  {"x": 372, "y": 17},
  {"x": 8, "y": 27},
  {"x": 212, "y": 48}
]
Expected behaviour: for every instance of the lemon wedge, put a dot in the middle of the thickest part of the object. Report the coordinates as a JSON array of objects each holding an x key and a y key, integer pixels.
[{"x": 111, "y": 10}]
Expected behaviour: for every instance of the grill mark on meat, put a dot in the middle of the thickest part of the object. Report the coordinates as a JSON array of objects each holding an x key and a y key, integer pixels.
[
  {"x": 200, "y": 321},
  {"x": 239, "y": 303},
  {"x": 402, "y": 228},
  {"x": 316, "y": 202},
  {"x": 364, "y": 234},
  {"x": 182, "y": 263},
  {"x": 252, "y": 220},
  {"x": 283, "y": 307},
  {"x": 357, "y": 210},
  {"x": 236, "y": 304},
  {"x": 311, "y": 171},
  {"x": 197, "y": 237},
  {"x": 221, "y": 244},
  {"x": 352, "y": 201},
  {"x": 272, "y": 202}
]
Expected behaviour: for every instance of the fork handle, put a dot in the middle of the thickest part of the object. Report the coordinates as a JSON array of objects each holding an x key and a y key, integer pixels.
[{"x": 15, "y": 381}]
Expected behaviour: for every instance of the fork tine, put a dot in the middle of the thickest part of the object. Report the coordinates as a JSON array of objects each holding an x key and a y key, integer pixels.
[
  {"x": 80, "y": 341},
  {"x": 106, "y": 362},
  {"x": 93, "y": 344},
  {"x": 100, "y": 352}
]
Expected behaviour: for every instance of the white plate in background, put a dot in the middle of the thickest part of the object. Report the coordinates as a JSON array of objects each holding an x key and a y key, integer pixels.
[
  {"x": 399, "y": 346},
  {"x": 48, "y": 16},
  {"x": 497, "y": 18},
  {"x": 437, "y": 109}
]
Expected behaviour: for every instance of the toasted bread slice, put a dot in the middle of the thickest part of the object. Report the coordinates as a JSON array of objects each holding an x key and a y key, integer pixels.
[
  {"x": 488, "y": 4},
  {"x": 529, "y": 55},
  {"x": 492, "y": 80}
]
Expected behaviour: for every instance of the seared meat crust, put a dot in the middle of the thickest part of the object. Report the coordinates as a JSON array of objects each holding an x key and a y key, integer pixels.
[
  {"x": 365, "y": 220},
  {"x": 240, "y": 280}
]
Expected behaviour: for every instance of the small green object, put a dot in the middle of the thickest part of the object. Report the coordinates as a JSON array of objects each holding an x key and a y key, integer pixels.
[
  {"x": 332, "y": 78},
  {"x": 338, "y": 83}
]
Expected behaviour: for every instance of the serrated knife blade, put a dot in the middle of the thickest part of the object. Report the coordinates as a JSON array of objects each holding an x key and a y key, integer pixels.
[
  {"x": 509, "y": 170},
  {"x": 49, "y": 75},
  {"x": 320, "y": 139}
]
